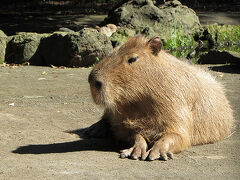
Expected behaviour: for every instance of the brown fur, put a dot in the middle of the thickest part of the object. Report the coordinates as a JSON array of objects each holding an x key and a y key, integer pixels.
[{"x": 159, "y": 100}]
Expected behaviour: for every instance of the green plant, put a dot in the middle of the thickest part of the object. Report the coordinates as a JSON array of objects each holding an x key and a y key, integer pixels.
[
  {"x": 178, "y": 40},
  {"x": 97, "y": 59}
]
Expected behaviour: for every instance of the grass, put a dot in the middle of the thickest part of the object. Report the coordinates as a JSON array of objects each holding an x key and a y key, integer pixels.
[{"x": 178, "y": 40}]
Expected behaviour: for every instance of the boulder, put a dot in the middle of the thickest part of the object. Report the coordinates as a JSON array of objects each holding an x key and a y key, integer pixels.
[
  {"x": 80, "y": 49},
  {"x": 3, "y": 44},
  {"x": 22, "y": 47},
  {"x": 219, "y": 57},
  {"x": 163, "y": 20}
]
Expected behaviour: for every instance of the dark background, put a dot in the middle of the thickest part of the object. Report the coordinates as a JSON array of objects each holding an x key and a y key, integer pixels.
[
  {"x": 44, "y": 16},
  {"x": 102, "y": 6}
]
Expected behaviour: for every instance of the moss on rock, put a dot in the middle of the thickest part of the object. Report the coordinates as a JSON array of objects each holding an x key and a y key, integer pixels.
[
  {"x": 121, "y": 36},
  {"x": 215, "y": 35}
]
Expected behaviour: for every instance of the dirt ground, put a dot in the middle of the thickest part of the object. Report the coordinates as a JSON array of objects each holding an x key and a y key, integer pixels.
[{"x": 40, "y": 105}]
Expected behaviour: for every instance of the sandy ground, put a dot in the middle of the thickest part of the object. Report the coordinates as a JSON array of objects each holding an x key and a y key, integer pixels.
[{"x": 39, "y": 105}]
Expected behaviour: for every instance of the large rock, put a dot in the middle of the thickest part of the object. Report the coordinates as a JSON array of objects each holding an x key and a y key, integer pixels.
[
  {"x": 164, "y": 20},
  {"x": 80, "y": 49},
  {"x": 22, "y": 47},
  {"x": 3, "y": 44}
]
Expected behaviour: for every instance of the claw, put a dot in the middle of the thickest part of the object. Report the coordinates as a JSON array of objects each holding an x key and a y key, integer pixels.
[
  {"x": 164, "y": 157},
  {"x": 145, "y": 155},
  {"x": 134, "y": 157},
  {"x": 170, "y": 155},
  {"x": 153, "y": 155},
  {"x": 122, "y": 156},
  {"x": 126, "y": 152},
  {"x": 151, "y": 158}
]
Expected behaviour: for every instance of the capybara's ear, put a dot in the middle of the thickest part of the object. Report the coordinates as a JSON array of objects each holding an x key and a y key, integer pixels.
[{"x": 155, "y": 45}]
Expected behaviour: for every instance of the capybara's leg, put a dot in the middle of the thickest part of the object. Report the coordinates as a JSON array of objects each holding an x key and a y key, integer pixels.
[
  {"x": 167, "y": 145},
  {"x": 100, "y": 129},
  {"x": 138, "y": 150}
]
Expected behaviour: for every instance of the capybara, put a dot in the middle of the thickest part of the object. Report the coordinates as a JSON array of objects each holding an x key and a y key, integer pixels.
[{"x": 157, "y": 103}]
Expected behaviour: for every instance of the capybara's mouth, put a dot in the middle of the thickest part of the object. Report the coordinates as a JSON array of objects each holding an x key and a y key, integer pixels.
[
  {"x": 96, "y": 91},
  {"x": 95, "y": 95},
  {"x": 96, "y": 88}
]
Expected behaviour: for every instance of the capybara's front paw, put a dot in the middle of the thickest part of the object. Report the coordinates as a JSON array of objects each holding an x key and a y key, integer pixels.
[
  {"x": 158, "y": 153},
  {"x": 166, "y": 146},
  {"x": 136, "y": 152}
]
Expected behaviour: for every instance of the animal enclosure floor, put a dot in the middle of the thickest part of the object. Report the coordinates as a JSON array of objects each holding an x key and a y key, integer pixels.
[{"x": 39, "y": 105}]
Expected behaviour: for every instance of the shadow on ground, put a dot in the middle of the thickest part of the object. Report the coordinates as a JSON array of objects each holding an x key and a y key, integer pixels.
[
  {"x": 85, "y": 144},
  {"x": 11, "y": 23},
  {"x": 81, "y": 145},
  {"x": 233, "y": 69}
]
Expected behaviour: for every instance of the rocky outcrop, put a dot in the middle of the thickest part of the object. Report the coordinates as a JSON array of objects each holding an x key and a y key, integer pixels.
[
  {"x": 71, "y": 49},
  {"x": 162, "y": 20}
]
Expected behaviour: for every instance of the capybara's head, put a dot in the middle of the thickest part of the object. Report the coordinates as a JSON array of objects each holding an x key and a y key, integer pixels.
[{"x": 127, "y": 74}]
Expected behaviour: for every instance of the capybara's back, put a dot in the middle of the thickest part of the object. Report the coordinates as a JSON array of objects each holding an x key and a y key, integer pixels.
[
  {"x": 212, "y": 113},
  {"x": 154, "y": 100}
]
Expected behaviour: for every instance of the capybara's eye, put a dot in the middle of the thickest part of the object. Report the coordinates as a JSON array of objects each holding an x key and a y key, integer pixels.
[{"x": 133, "y": 59}]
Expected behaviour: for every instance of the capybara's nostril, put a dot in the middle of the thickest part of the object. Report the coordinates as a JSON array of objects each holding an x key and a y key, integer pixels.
[{"x": 98, "y": 85}]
